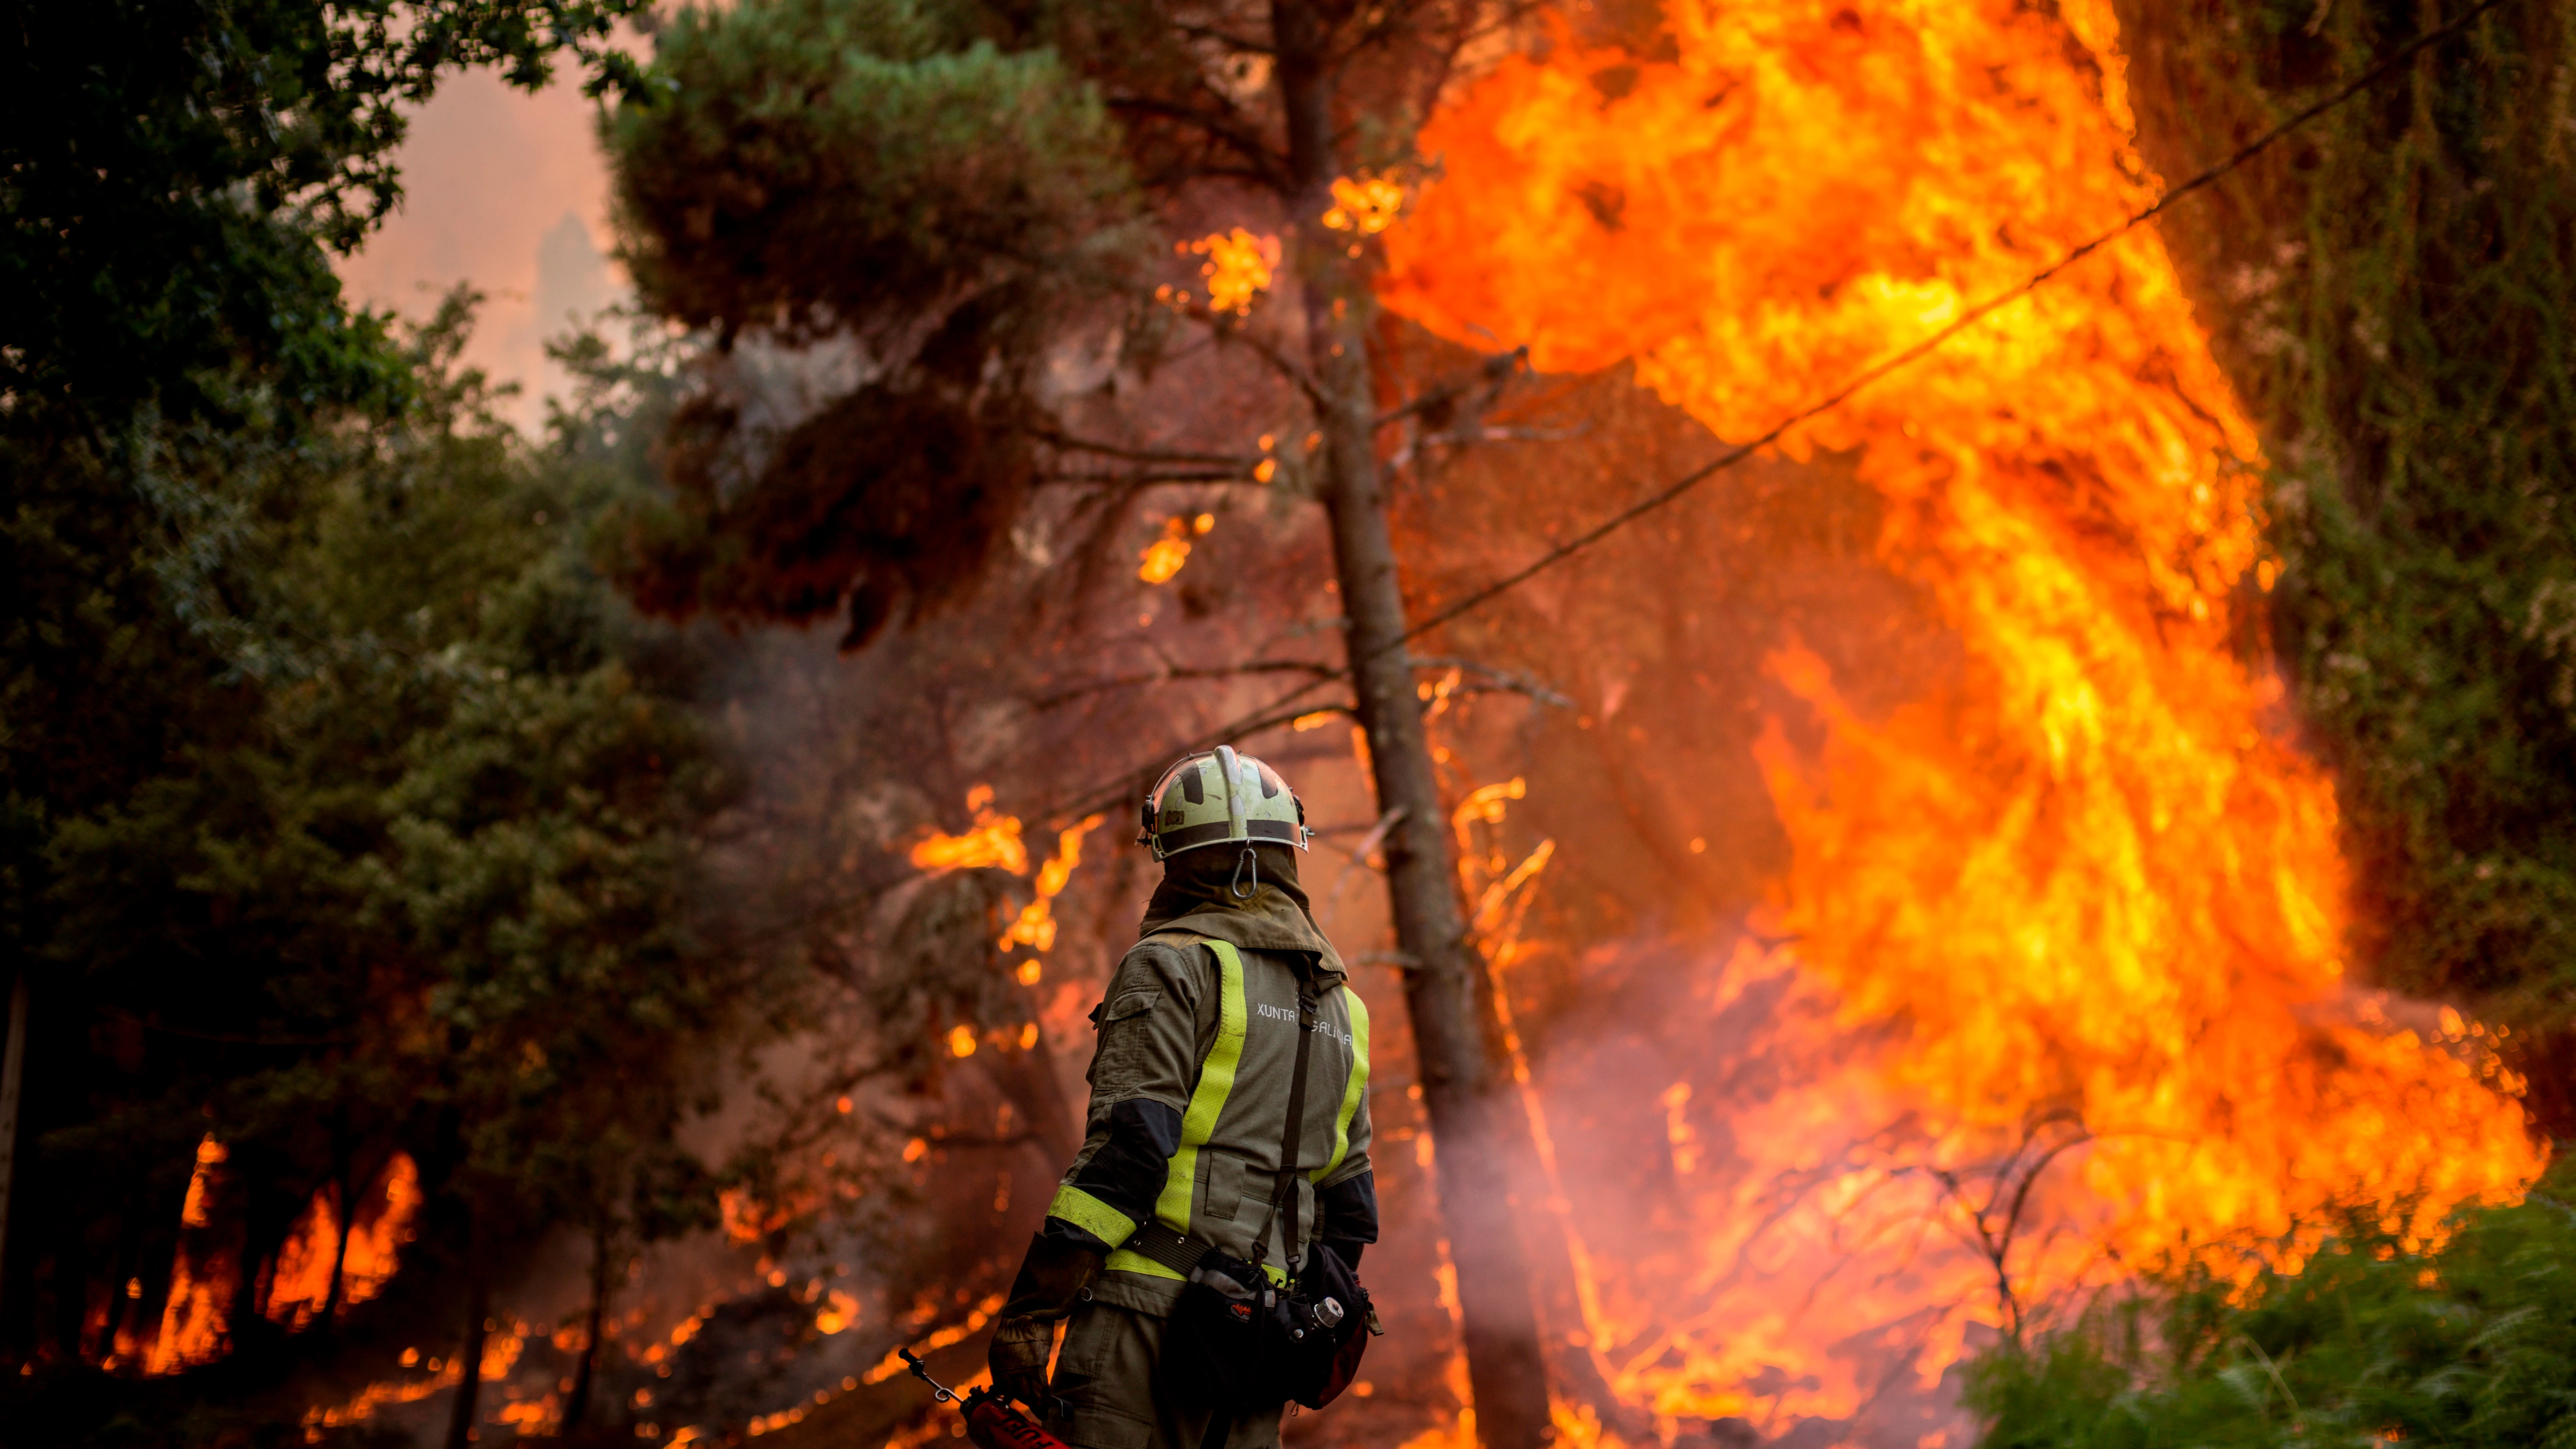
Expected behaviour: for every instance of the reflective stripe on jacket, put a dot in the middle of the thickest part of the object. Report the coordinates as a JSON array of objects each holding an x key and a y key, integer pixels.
[{"x": 1189, "y": 1096}]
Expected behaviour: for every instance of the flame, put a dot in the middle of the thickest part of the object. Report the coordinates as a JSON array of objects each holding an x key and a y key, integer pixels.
[
  {"x": 301, "y": 1282},
  {"x": 2078, "y": 906},
  {"x": 1162, "y": 559},
  {"x": 1238, "y": 267},
  {"x": 994, "y": 843},
  {"x": 839, "y": 1311},
  {"x": 1035, "y": 926},
  {"x": 195, "y": 1318},
  {"x": 1365, "y": 204}
]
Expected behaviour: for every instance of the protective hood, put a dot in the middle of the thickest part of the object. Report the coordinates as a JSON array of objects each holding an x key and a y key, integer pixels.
[{"x": 1197, "y": 895}]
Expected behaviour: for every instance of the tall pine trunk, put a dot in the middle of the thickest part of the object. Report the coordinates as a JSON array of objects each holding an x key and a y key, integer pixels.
[{"x": 1506, "y": 1370}]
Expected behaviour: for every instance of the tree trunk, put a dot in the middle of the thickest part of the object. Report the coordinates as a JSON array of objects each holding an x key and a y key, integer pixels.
[
  {"x": 345, "y": 1209},
  {"x": 469, "y": 1367},
  {"x": 577, "y": 1407},
  {"x": 13, "y": 1069},
  {"x": 1506, "y": 1370}
]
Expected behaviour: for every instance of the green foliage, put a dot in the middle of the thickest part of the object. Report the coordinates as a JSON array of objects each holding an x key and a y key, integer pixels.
[
  {"x": 172, "y": 172},
  {"x": 808, "y": 169},
  {"x": 411, "y": 865},
  {"x": 343, "y": 808},
  {"x": 2394, "y": 291},
  {"x": 884, "y": 175},
  {"x": 2473, "y": 1345}
]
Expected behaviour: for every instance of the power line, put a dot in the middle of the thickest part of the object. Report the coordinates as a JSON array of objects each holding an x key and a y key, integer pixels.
[
  {"x": 1924, "y": 348},
  {"x": 1277, "y": 710}
]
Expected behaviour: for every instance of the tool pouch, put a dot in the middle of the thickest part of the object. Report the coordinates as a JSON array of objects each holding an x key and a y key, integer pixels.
[
  {"x": 1237, "y": 1348},
  {"x": 1216, "y": 1346},
  {"x": 1324, "y": 1321}
]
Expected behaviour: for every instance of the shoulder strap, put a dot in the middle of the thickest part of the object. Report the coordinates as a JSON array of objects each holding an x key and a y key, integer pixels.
[{"x": 1284, "y": 1195}]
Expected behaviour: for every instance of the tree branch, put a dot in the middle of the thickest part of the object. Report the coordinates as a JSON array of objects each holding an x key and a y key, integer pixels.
[
  {"x": 1511, "y": 680},
  {"x": 1147, "y": 480},
  {"x": 1491, "y": 373},
  {"x": 1175, "y": 672},
  {"x": 1073, "y": 444}
]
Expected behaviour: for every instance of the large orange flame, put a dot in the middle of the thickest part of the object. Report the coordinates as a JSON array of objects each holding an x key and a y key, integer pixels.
[
  {"x": 205, "y": 1272},
  {"x": 2085, "y": 903},
  {"x": 300, "y": 1284}
]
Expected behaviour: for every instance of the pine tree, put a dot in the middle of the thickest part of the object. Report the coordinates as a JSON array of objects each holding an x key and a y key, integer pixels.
[{"x": 955, "y": 198}]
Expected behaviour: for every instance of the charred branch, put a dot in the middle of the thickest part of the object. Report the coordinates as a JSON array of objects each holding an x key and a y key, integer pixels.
[
  {"x": 1127, "y": 453},
  {"x": 1138, "y": 481},
  {"x": 1491, "y": 679},
  {"x": 1437, "y": 404},
  {"x": 1184, "y": 672}
]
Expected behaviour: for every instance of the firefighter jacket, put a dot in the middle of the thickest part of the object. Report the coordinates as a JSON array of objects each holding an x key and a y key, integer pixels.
[{"x": 1190, "y": 1087}]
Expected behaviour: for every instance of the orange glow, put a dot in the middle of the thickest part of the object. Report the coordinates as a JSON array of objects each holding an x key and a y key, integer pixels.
[
  {"x": 2080, "y": 904},
  {"x": 202, "y": 1278},
  {"x": 1368, "y": 205},
  {"x": 994, "y": 843},
  {"x": 1035, "y": 925},
  {"x": 1162, "y": 559},
  {"x": 300, "y": 1283},
  {"x": 839, "y": 1311},
  {"x": 955, "y": 1333},
  {"x": 1238, "y": 267},
  {"x": 302, "y": 1279}
]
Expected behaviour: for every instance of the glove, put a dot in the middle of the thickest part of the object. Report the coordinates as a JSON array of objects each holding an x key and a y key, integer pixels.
[
  {"x": 1018, "y": 1359},
  {"x": 1058, "y": 1267}
]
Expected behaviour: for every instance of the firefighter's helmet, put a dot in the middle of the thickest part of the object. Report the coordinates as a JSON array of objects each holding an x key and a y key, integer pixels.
[{"x": 1218, "y": 798}]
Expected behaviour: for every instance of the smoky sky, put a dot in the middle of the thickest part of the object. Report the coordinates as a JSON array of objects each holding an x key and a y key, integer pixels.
[{"x": 506, "y": 191}]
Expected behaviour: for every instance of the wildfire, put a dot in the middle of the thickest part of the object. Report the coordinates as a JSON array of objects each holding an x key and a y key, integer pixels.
[
  {"x": 202, "y": 1274},
  {"x": 1366, "y": 204},
  {"x": 1238, "y": 267},
  {"x": 993, "y": 843},
  {"x": 1162, "y": 559},
  {"x": 1035, "y": 925},
  {"x": 205, "y": 1272},
  {"x": 301, "y": 1282},
  {"x": 2076, "y": 917}
]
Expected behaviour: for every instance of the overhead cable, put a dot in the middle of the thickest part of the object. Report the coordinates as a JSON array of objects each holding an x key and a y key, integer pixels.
[{"x": 1279, "y": 710}]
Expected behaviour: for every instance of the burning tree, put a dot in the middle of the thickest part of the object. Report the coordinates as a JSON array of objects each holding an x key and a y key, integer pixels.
[{"x": 952, "y": 213}]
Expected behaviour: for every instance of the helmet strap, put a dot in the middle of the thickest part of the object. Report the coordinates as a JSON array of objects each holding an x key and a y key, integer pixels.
[{"x": 1236, "y": 887}]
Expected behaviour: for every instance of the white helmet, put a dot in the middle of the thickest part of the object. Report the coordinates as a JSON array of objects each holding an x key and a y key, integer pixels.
[{"x": 1219, "y": 798}]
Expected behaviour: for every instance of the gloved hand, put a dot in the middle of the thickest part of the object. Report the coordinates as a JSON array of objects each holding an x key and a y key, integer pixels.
[
  {"x": 1058, "y": 1267},
  {"x": 1018, "y": 1359}
]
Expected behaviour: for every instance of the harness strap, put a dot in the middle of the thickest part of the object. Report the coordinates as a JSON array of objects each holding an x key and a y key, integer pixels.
[
  {"x": 1285, "y": 1193},
  {"x": 1176, "y": 1251}
]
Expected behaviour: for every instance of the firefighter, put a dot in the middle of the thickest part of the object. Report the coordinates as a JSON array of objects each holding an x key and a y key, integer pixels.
[{"x": 1191, "y": 1083}]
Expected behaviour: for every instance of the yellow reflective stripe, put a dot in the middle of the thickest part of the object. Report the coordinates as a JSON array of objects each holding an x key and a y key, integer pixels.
[
  {"x": 1207, "y": 1099},
  {"x": 1356, "y": 1092},
  {"x": 1123, "y": 1261},
  {"x": 1091, "y": 1215}
]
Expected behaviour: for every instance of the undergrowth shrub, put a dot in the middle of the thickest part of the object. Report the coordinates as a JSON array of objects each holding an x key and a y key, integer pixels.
[{"x": 2472, "y": 1345}]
